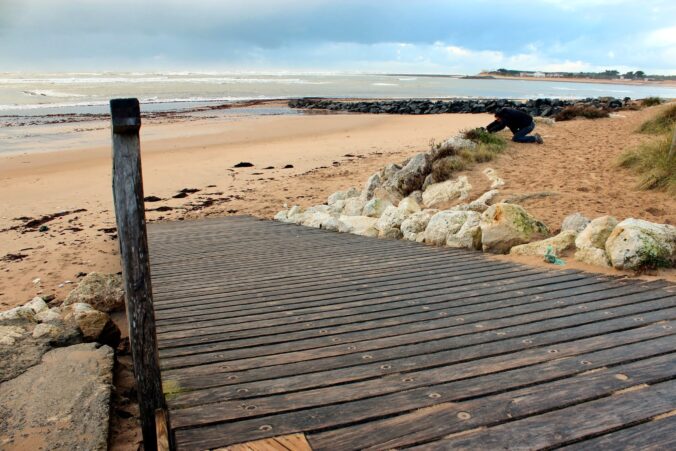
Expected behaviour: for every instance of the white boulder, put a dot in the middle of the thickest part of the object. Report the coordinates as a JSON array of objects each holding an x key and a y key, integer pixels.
[
  {"x": 353, "y": 206},
  {"x": 504, "y": 226},
  {"x": 375, "y": 207},
  {"x": 636, "y": 244},
  {"x": 414, "y": 225},
  {"x": 359, "y": 225},
  {"x": 559, "y": 243},
  {"x": 445, "y": 228},
  {"x": 370, "y": 188},
  {"x": 438, "y": 194},
  {"x": 576, "y": 222}
]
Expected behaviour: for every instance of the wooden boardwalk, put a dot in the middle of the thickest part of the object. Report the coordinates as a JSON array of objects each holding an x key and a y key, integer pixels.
[{"x": 272, "y": 330}]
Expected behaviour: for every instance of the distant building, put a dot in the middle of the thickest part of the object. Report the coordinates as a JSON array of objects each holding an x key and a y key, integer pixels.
[{"x": 539, "y": 74}]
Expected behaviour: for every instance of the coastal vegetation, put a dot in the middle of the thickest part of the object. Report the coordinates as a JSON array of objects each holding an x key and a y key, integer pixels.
[
  {"x": 652, "y": 101},
  {"x": 662, "y": 123},
  {"x": 586, "y": 111},
  {"x": 652, "y": 160}
]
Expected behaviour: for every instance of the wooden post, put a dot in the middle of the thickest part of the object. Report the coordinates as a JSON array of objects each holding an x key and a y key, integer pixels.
[{"x": 131, "y": 231}]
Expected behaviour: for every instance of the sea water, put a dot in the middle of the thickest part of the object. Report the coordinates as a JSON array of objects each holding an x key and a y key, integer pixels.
[{"x": 27, "y": 94}]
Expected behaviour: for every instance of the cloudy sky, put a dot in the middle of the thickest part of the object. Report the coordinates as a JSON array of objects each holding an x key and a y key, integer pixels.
[{"x": 423, "y": 36}]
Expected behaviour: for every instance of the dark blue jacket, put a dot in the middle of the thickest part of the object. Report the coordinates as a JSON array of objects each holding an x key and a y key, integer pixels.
[{"x": 509, "y": 117}]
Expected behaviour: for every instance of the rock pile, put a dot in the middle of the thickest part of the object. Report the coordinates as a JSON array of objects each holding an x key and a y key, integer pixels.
[
  {"x": 535, "y": 107},
  {"x": 413, "y": 202},
  {"x": 70, "y": 348},
  {"x": 632, "y": 244}
]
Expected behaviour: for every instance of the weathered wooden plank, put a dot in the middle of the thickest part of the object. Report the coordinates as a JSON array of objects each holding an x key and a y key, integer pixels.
[
  {"x": 350, "y": 367},
  {"x": 254, "y": 335},
  {"x": 329, "y": 306},
  {"x": 333, "y": 318},
  {"x": 294, "y": 328},
  {"x": 569, "y": 424},
  {"x": 658, "y": 434},
  {"x": 400, "y": 393},
  {"x": 428, "y": 424},
  {"x": 422, "y": 338},
  {"x": 241, "y": 388},
  {"x": 552, "y": 309},
  {"x": 450, "y": 418},
  {"x": 211, "y": 301}
]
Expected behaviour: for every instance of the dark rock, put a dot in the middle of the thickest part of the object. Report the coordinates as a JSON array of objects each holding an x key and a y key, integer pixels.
[
  {"x": 151, "y": 199},
  {"x": 288, "y": 166},
  {"x": 243, "y": 164}
]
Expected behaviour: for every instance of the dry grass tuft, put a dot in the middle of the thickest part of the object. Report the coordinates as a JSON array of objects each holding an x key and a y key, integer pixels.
[
  {"x": 664, "y": 122},
  {"x": 652, "y": 163},
  {"x": 573, "y": 111}
]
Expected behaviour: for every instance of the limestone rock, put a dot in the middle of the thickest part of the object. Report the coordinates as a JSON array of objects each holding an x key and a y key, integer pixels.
[
  {"x": 94, "y": 325},
  {"x": 559, "y": 243},
  {"x": 9, "y": 334},
  {"x": 480, "y": 204},
  {"x": 353, "y": 206},
  {"x": 18, "y": 314},
  {"x": 439, "y": 194},
  {"x": 409, "y": 205},
  {"x": 469, "y": 235},
  {"x": 359, "y": 225},
  {"x": 417, "y": 196},
  {"x": 391, "y": 219},
  {"x": 388, "y": 193},
  {"x": 47, "y": 330},
  {"x": 337, "y": 207},
  {"x": 504, "y": 226},
  {"x": 47, "y": 316},
  {"x": 411, "y": 177},
  {"x": 448, "y": 224},
  {"x": 320, "y": 220},
  {"x": 492, "y": 176},
  {"x": 596, "y": 233},
  {"x": 592, "y": 256},
  {"x": 335, "y": 197},
  {"x": 104, "y": 292},
  {"x": 282, "y": 216},
  {"x": 388, "y": 171},
  {"x": 575, "y": 222},
  {"x": 370, "y": 188},
  {"x": 352, "y": 192},
  {"x": 294, "y": 215},
  {"x": 63, "y": 403},
  {"x": 37, "y": 304},
  {"x": 375, "y": 207},
  {"x": 636, "y": 244},
  {"x": 415, "y": 224}
]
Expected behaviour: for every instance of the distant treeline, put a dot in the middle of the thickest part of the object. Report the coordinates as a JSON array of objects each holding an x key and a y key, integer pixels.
[{"x": 605, "y": 75}]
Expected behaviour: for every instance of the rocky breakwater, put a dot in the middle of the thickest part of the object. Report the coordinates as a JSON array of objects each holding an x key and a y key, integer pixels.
[
  {"x": 415, "y": 202},
  {"x": 535, "y": 107},
  {"x": 56, "y": 363}
]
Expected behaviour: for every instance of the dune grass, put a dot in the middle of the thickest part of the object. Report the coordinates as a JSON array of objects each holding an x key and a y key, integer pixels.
[
  {"x": 586, "y": 111},
  {"x": 652, "y": 163},
  {"x": 652, "y": 101},
  {"x": 664, "y": 122}
]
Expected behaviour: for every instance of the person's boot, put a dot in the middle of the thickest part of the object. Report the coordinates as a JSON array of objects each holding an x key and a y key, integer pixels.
[{"x": 538, "y": 138}]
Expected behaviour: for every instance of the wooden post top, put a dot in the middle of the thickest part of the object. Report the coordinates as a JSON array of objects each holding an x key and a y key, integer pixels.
[{"x": 126, "y": 114}]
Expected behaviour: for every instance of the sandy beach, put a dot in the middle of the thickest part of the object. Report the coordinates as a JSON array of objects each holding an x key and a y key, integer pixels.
[{"x": 573, "y": 171}]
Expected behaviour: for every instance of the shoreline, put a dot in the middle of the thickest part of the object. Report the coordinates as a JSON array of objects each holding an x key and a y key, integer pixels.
[{"x": 666, "y": 83}]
